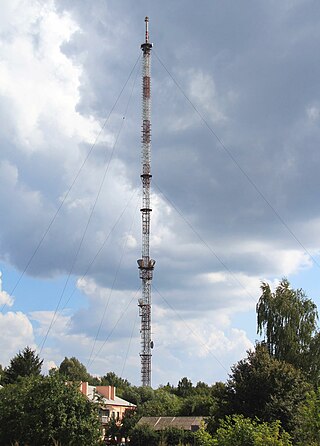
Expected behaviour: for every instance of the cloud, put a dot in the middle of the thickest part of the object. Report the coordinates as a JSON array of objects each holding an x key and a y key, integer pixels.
[
  {"x": 17, "y": 333},
  {"x": 16, "y": 329},
  {"x": 189, "y": 343},
  {"x": 5, "y": 298},
  {"x": 215, "y": 229}
]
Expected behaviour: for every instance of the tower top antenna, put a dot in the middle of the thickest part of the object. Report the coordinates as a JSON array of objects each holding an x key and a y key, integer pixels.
[{"x": 147, "y": 29}]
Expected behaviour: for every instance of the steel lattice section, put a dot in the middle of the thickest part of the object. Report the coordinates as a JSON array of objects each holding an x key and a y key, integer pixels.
[{"x": 145, "y": 264}]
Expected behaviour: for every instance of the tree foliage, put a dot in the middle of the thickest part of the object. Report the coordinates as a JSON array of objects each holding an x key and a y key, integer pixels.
[
  {"x": 307, "y": 431},
  {"x": 288, "y": 320},
  {"x": 197, "y": 405},
  {"x": 162, "y": 403},
  {"x": 202, "y": 437},
  {"x": 25, "y": 363},
  {"x": 111, "y": 379},
  {"x": 185, "y": 387},
  {"x": 73, "y": 370},
  {"x": 1, "y": 373},
  {"x": 37, "y": 411},
  {"x": 261, "y": 386},
  {"x": 144, "y": 435},
  {"x": 240, "y": 431},
  {"x": 172, "y": 436}
]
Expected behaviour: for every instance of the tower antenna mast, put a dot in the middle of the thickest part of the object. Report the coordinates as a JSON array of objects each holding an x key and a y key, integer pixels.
[{"x": 146, "y": 264}]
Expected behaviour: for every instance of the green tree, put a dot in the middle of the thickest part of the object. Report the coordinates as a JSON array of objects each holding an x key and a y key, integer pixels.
[
  {"x": 173, "y": 436},
  {"x": 138, "y": 395},
  {"x": 38, "y": 411},
  {"x": 113, "y": 429},
  {"x": 185, "y": 387},
  {"x": 73, "y": 370},
  {"x": 144, "y": 435},
  {"x": 25, "y": 363},
  {"x": 288, "y": 321},
  {"x": 111, "y": 379},
  {"x": 128, "y": 422},
  {"x": 263, "y": 387},
  {"x": 163, "y": 404},
  {"x": 202, "y": 437},
  {"x": 197, "y": 405},
  {"x": 307, "y": 431},
  {"x": 239, "y": 431}
]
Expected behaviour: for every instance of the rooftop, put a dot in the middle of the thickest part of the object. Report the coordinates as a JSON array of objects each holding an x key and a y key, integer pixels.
[{"x": 160, "y": 423}]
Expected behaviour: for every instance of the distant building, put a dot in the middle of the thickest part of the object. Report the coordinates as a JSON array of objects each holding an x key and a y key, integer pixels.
[
  {"x": 110, "y": 405},
  {"x": 161, "y": 423}
]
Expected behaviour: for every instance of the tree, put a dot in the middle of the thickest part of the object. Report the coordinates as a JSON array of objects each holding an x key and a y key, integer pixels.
[
  {"x": 111, "y": 379},
  {"x": 128, "y": 422},
  {"x": 173, "y": 436},
  {"x": 38, "y": 411},
  {"x": 138, "y": 395},
  {"x": 25, "y": 363},
  {"x": 307, "y": 431},
  {"x": 163, "y": 404},
  {"x": 239, "y": 431},
  {"x": 263, "y": 387},
  {"x": 143, "y": 435},
  {"x": 202, "y": 437},
  {"x": 197, "y": 405},
  {"x": 288, "y": 320},
  {"x": 73, "y": 370},
  {"x": 185, "y": 387},
  {"x": 113, "y": 429}
]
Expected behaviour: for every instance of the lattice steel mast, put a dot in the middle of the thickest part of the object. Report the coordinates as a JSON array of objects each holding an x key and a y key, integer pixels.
[{"x": 146, "y": 264}]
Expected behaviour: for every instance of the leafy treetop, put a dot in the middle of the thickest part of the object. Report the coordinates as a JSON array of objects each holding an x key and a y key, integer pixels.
[
  {"x": 73, "y": 370},
  {"x": 288, "y": 321},
  {"x": 25, "y": 363}
]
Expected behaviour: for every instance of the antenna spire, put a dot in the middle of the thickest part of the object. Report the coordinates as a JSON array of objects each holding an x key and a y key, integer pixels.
[
  {"x": 146, "y": 264},
  {"x": 147, "y": 29}
]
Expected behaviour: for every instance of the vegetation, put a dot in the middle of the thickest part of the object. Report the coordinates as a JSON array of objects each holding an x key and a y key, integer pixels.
[
  {"x": 38, "y": 411},
  {"x": 307, "y": 430},
  {"x": 239, "y": 431},
  {"x": 288, "y": 320},
  {"x": 271, "y": 398},
  {"x": 263, "y": 387},
  {"x": 73, "y": 370},
  {"x": 25, "y": 363}
]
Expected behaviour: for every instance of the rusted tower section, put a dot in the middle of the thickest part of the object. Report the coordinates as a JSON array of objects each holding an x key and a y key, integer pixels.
[{"x": 146, "y": 264}]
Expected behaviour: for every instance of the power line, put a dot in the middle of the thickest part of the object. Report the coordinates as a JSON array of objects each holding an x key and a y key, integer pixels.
[
  {"x": 71, "y": 185},
  {"x": 89, "y": 218},
  {"x": 225, "y": 266},
  {"x": 232, "y": 157},
  {"x": 112, "y": 288},
  {"x": 128, "y": 349},
  {"x": 191, "y": 329},
  {"x": 113, "y": 328},
  {"x": 100, "y": 249}
]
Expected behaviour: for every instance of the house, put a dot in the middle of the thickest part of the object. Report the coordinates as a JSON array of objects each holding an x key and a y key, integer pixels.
[
  {"x": 110, "y": 405},
  {"x": 161, "y": 423}
]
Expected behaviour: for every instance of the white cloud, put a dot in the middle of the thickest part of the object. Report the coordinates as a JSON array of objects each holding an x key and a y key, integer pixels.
[
  {"x": 313, "y": 113},
  {"x": 16, "y": 329},
  {"x": 16, "y": 333},
  {"x": 203, "y": 93},
  {"x": 5, "y": 298}
]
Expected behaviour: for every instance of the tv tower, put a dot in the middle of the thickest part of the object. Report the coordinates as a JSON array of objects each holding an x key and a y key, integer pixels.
[{"x": 146, "y": 264}]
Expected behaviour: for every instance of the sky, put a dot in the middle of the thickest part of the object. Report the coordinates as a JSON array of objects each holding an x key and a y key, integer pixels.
[{"x": 235, "y": 164}]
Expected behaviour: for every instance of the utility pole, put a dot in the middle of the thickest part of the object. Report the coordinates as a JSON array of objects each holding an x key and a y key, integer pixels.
[{"x": 146, "y": 264}]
